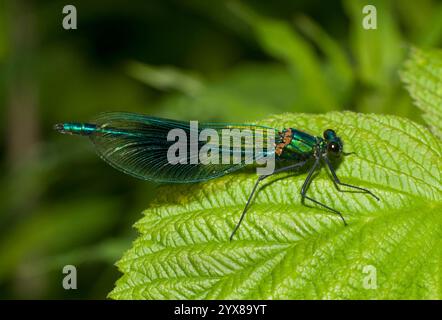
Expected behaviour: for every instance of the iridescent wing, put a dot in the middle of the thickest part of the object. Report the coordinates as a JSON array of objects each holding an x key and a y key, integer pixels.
[{"x": 138, "y": 145}]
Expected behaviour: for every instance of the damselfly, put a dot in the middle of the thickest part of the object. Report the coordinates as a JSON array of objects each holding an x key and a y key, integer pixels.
[{"x": 138, "y": 145}]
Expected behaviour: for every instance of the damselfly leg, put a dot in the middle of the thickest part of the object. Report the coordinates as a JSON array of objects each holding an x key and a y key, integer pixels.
[
  {"x": 306, "y": 185},
  {"x": 339, "y": 183},
  {"x": 260, "y": 178}
]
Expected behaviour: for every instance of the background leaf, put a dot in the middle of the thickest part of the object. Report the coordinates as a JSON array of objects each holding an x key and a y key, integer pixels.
[
  {"x": 285, "y": 250},
  {"x": 165, "y": 78},
  {"x": 337, "y": 68},
  {"x": 378, "y": 51},
  {"x": 279, "y": 40},
  {"x": 234, "y": 96},
  {"x": 423, "y": 76}
]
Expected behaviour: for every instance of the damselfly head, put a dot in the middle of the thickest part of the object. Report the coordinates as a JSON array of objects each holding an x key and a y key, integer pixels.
[{"x": 334, "y": 143}]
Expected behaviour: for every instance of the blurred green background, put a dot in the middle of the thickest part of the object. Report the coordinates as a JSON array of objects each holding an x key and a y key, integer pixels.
[{"x": 207, "y": 60}]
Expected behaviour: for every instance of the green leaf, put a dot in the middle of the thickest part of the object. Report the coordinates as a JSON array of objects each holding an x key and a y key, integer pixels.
[
  {"x": 423, "y": 76},
  {"x": 286, "y": 250},
  {"x": 241, "y": 90},
  {"x": 377, "y": 55},
  {"x": 338, "y": 69},
  {"x": 422, "y": 20},
  {"x": 282, "y": 42},
  {"x": 53, "y": 229},
  {"x": 165, "y": 78},
  {"x": 378, "y": 51}
]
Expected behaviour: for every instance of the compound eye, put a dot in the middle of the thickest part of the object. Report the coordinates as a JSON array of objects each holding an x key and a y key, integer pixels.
[
  {"x": 329, "y": 133},
  {"x": 334, "y": 147}
]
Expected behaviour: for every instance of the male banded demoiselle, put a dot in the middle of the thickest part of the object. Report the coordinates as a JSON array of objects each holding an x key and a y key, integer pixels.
[{"x": 137, "y": 145}]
